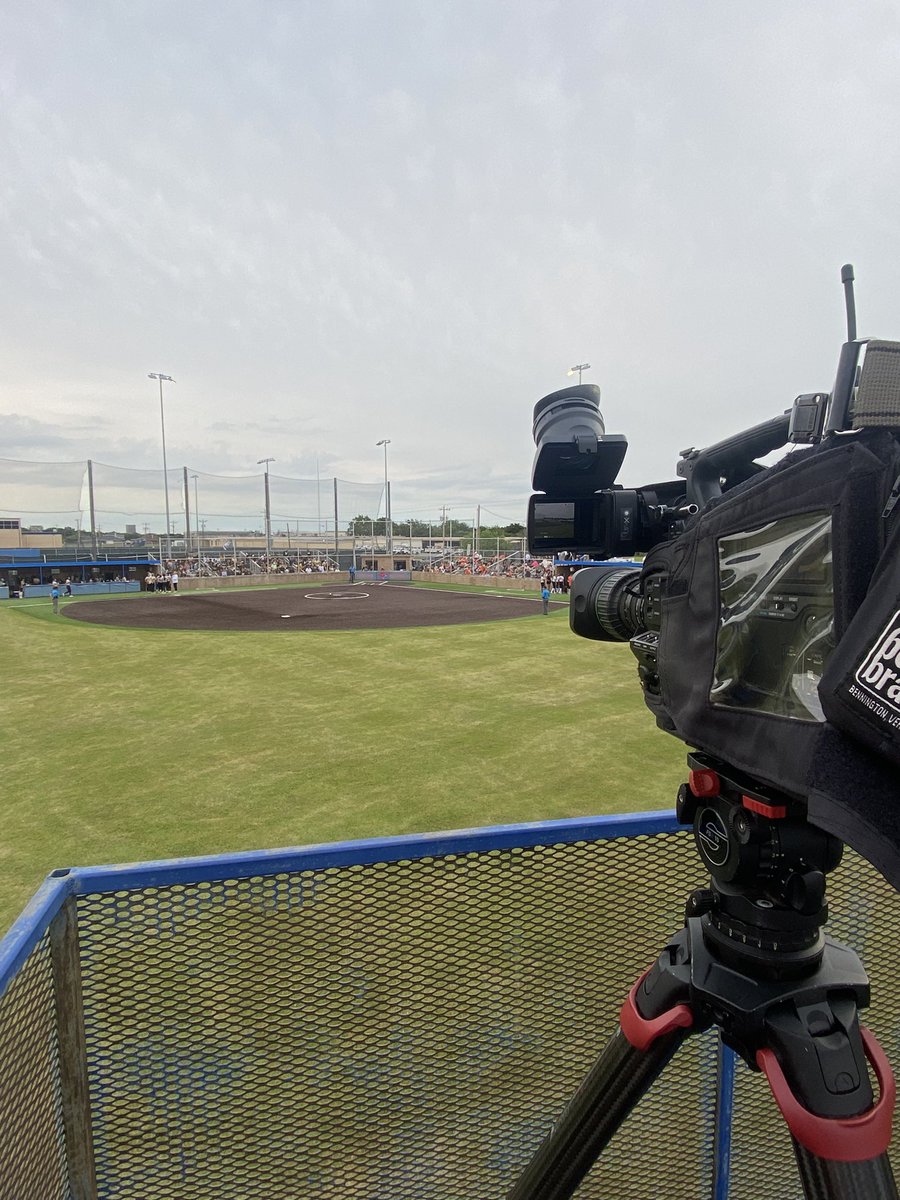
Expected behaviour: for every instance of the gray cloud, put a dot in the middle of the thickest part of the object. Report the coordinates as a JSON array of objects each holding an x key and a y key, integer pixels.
[{"x": 337, "y": 223}]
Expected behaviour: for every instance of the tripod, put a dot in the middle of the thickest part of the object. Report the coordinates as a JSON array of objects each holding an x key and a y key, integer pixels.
[{"x": 752, "y": 960}]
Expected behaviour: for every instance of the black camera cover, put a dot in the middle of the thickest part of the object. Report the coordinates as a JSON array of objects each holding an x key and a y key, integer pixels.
[
  {"x": 860, "y": 689},
  {"x": 853, "y": 775},
  {"x": 780, "y": 619}
]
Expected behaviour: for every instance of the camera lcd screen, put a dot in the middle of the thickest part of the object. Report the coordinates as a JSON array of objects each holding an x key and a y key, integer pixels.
[
  {"x": 569, "y": 524},
  {"x": 554, "y": 520}
]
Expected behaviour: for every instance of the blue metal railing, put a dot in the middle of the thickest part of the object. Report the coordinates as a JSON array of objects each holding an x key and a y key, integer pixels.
[{"x": 31, "y": 927}]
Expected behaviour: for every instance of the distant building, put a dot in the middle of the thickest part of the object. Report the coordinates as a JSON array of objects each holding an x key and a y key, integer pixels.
[{"x": 14, "y": 537}]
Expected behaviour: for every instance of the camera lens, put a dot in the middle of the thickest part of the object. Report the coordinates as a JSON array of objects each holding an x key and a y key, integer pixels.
[
  {"x": 619, "y": 604},
  {"x": 607, "y": 604}
]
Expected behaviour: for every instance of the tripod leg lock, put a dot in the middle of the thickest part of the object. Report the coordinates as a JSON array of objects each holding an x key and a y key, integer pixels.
[
  {"x": 841, "y": 1139},
  {"x": 641, "y": 1031}
]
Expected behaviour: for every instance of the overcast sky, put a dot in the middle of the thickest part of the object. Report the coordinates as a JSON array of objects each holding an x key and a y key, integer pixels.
[{"x": 343, "y": 220}]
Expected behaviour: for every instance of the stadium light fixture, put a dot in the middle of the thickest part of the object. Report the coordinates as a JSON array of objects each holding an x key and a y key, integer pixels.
[{"x": 577, "y": 369}]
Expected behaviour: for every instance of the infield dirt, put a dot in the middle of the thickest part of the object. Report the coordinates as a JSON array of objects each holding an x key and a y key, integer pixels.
[{"x": 328, "y": 606}]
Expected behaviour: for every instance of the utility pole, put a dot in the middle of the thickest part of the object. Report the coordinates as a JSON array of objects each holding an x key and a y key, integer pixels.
[
  {"x": 162, "y": 421},
  {"x": 388, "y": 525},
  {"x": 197, "y": 521},
  {"x": 259, "y": 462}
]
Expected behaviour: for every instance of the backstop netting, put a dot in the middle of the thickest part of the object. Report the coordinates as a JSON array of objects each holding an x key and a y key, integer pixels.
[
  {"x": 388, "y": 1020},
  {"x": 93, "y": 496}
]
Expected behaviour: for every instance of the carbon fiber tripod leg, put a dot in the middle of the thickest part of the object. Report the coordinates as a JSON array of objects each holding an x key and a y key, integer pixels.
[
  {"x": 818, "y": 1076},
  {"x": 824, "y": 1179},
  {"x": 633, "y": 1058},
  {"x": 843, "y": 1156}
]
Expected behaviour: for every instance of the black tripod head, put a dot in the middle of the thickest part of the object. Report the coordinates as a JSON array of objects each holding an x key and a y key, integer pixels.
[{"x": 765, "y": 907}]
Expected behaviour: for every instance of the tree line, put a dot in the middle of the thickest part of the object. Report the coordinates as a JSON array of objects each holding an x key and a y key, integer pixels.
[{"x": 364, "y": 524}]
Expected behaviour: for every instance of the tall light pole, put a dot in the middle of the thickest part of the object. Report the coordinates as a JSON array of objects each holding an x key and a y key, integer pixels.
[
  {"x": 162, "y": 421},
  {"x": 388, "y": 531},
  {"x": 578, "y": 368},
  {"x": 197, "y": 523},
  {"x": 260, "y": 462}
]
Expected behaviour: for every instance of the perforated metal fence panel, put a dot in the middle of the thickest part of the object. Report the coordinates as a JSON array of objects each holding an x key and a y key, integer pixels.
[
  {"x": 32, "y": 1147},
  {"x": 402, "y": 1029},
  {"x": 350, "y": 1027}
]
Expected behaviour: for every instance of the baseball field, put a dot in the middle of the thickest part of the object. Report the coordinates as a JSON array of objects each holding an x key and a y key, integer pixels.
[{"x": 143, "y": 727}]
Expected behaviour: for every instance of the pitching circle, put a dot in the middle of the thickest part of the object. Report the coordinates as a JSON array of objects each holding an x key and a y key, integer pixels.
[{"x": 323, "y": 595}]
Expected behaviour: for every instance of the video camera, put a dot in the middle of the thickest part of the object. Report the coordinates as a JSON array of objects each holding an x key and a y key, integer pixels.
[{"x": 765, "y": 617}]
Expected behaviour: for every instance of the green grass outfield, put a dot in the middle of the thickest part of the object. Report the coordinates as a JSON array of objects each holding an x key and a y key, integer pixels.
[{"x": 123, "y": 745}]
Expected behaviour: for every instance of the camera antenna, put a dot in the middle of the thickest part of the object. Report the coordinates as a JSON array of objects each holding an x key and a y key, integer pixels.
[
  {"x": 818, "y": 413},
  {"x": 847, "y": 278},
  {"x": 848, "y": 363}
]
